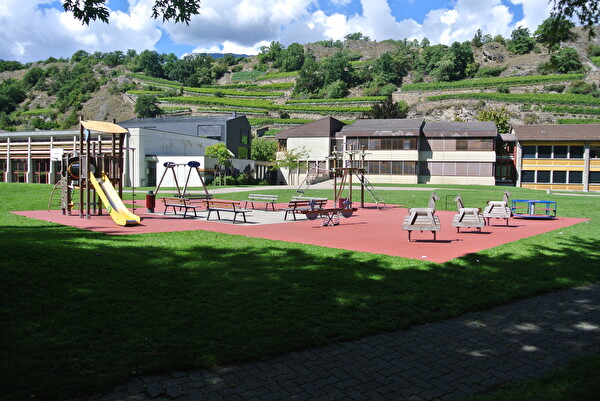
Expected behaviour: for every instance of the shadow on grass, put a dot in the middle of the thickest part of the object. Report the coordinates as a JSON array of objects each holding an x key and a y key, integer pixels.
[{"x": 83, "y": 311}]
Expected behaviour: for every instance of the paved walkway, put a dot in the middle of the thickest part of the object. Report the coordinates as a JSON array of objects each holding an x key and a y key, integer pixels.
[{"x": 438, "y": 361}]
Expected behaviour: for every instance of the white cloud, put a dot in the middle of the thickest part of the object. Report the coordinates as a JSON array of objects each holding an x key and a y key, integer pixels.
[
  {"x": 340, "y": 3},
  {"x": 28, "y": 33},
  {"x": 534, "y": 12}
]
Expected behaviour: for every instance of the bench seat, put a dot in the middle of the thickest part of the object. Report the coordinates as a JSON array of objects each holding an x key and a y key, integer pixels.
[
  {"x": 218, "y": 206},
  {"x": 267, "y": 199},
  {"x": 179, "y": 203}
]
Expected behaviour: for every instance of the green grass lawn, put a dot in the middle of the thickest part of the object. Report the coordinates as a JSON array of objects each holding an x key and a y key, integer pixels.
[{"x": 83, "y": 311}]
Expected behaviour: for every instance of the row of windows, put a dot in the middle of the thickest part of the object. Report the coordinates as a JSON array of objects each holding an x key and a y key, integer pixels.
[
  {"x": 558, "y": 177},
  {"x": 461, "y": 144},
  {"x": 382, "y": 143},
  {"x": 552, "y": 152},
  {"x": 465, "y": 169},
  {"x": 391, "y": 167}
]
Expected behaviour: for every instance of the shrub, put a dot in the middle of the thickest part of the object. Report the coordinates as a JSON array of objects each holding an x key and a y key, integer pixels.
[
  {"x": 555, "y": 88},
  {"x": 486, "y": 72},
  {"x": 503, "y": 88},
  {"x": 582, "y": 88},
  {"x": 531, "y": 118},
  {"x": 387, "y": 90},
  {"x": 336, "y": 90}
]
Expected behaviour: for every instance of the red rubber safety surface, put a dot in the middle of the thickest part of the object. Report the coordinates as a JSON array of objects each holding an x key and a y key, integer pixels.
[{"x": 368, "y": 230}]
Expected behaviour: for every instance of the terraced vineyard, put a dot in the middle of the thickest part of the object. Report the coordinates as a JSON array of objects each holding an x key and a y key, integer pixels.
[{"x": 267, "y": 97}]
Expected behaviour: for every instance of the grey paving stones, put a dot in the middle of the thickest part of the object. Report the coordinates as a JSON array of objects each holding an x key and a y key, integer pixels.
[{"x": 437, "y": 361}]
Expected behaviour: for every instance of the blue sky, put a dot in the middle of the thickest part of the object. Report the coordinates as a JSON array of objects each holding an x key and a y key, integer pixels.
[{"x": 32, "y": 30}]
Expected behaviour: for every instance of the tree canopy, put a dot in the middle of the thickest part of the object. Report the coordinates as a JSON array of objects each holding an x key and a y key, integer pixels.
[
  {"x": 91, "y": 10},
  {"x": 587, "y": 11}
]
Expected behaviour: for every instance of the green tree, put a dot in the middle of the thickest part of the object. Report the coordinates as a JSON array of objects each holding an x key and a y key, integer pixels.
[
  {"x": 271, "y": 54},
  {"x": 11, "y": 94},
  {"x": 554, "y": 30},
  {"x": 292, "y": 58},
  {"x": 145, "y": 106},
  {"x": 388, "y": 109},
  {"x": 32, "y": 77},
  {"x": 500, "y": 117},
  {"x": 477, "y": 40},
  {"x": 566, "y": 60},
  {"x": 219, "y": 152},
  {"x": 337, "y": 68},
  {"x": 357, "y": 36},
  {"x": 309, "y": 78},
  {"x": 149, "y": 61},
  {"x": 521, "y": 41},
  {"x": 176, "y": 10},
  {"x": 264, "y": 149},
  {"x": 290, "y": 159}
]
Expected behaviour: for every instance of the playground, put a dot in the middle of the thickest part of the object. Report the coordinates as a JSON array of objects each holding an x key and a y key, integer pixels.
[
  {"x": 90, "y": 303},
  {"x": 370, "y": 230}
]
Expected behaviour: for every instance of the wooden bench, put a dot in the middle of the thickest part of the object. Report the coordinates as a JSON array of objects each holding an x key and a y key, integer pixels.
[
  {"x": 179, "y": 203},
  {"x": 297, "y": 206},
  {"x": 225, "y": 206},
  {"x": 267, "y": 199}
]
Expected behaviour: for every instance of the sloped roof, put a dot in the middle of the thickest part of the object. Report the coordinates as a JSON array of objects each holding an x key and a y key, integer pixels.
[
  {"x": 323, "y": 128},
  {"x": 454, "y": 129},
  {"x": 384, "y": 127},
  {"x": 557, "y": 132}
]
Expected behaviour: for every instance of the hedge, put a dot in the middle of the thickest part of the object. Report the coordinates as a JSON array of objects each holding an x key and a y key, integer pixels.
[
  {"x": 364, "y": 99},
  {"x": 491, "y": 82},
  {"x": 548, "y": 98}
]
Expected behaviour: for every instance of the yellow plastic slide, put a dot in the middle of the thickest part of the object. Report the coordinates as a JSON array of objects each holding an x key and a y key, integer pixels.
[{"x": 113, "y": 203}]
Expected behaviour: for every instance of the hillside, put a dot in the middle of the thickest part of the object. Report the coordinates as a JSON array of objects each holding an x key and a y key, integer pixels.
[{"x": 269, "y": 100}]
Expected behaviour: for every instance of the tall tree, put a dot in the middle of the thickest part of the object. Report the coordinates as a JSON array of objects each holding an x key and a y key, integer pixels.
[
  {"x": 220, "y": 152},
  {"x": 388, "y": 109},
  {"x": 554, "y": 30},
  {"x": 520, "y": 41},
  {"x": 91, "y": 10},
  {"x": 145, "y": 106}
]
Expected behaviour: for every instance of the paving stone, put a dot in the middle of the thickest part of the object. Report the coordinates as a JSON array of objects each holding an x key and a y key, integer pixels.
[
  {"x": 437, "y": 361},
  {"x": 154, "y": 389}
]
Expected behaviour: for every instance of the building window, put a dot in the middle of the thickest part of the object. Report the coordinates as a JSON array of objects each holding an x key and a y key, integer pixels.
[
  {"x": 576, "y": 152},
  {"x": 594, "y": 152},
  {"x": 543, "y": 177},
  {"x": 381, "y": 143},
  {"x": 594, "y": 177},
  {"x": 528, "y": 152},
  {"x": 244, "y": 138},
  {"x": 559, "y": 177},
  {"x": 575, "y": 177},
  {"x": 544, "y": 152},
  {"x": 468, "y": 169},
  {"x": 242, "y": 152},
  {"x": 462, "y": 144},
  {"x": 2, "y": 169},
  {"x": 409, "y": 143},
  {"x": 528, "y": 176},
  {"x": 561, "y": 152},
  {"x": 376, "y": 167}
]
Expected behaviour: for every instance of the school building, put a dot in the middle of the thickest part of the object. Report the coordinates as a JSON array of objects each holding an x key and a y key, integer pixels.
[
  {"x": 558, "y": 156},
  {"x": 26, "y": 156}
]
